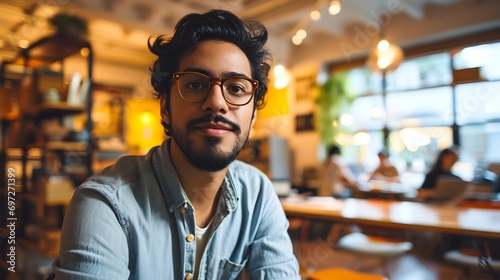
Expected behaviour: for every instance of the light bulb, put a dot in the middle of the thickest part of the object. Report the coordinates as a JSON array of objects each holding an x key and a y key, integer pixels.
[
  {"x": 334, "y": 8},
  {"x": 383, "y": 45},
  {"x": 315, "y": 15},
  {"x": 302, "y": 33},
  {"x": 279, "y": 70},
  {"x": 24, "y": 44},
  {"x": 297, "y": 40}
]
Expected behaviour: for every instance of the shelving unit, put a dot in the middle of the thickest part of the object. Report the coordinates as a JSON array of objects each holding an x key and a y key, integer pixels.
[{"x": 51, "y": 165}]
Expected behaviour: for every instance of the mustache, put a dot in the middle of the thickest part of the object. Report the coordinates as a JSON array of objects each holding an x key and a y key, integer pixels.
[{"x": 216, "y": 119}]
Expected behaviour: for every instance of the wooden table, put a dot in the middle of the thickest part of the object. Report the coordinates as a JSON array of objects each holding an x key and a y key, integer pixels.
[
  {"x": 382, "y": 189},
  {"x": 397, "y": 214}
]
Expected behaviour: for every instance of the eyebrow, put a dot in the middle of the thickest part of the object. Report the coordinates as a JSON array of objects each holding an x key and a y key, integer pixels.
[{"x": 208, "y": 73}]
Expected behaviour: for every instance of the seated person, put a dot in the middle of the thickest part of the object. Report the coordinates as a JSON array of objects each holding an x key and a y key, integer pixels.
[
  {"x": 337, "y": 179},
  {"x": 385, "y": 171},
  {"x": 442, "y": 167}
]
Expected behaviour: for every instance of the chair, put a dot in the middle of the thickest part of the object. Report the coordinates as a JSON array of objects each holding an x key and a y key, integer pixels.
[
  {"x": 371, "y": 246},
  {"x": 485, "y": 255},
  {"x": 468, "y": 259},
  {"x": 341, "y": 273}
]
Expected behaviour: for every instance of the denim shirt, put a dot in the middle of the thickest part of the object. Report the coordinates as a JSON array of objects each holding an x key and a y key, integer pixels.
[{"x": 132, "y": 221}]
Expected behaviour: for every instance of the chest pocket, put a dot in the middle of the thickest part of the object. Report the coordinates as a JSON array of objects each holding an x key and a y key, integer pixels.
[{"x": 230, "y": 270}]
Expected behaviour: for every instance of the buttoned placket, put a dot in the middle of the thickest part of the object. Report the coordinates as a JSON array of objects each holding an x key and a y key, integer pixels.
[
  {"x": 220, "y": 215},
  {"x": 187, "y": 214}
]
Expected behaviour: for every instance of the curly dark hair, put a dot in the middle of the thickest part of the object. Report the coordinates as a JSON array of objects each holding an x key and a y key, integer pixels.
[{"x": 192, "y": 29}]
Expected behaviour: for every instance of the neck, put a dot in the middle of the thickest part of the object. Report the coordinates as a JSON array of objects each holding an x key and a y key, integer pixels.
[{"x": 201, "y": 187}]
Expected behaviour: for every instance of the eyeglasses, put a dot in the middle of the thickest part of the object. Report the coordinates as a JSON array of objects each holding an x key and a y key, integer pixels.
[{"x": 195, "y": 87}]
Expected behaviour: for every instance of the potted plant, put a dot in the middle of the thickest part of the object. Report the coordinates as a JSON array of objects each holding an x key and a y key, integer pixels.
[{"x": 69, "y": 25}]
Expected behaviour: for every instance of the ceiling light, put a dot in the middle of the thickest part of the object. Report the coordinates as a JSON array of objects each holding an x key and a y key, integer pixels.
[
  {"x": 342, "y": 138},
  {"x": 84, "y": 52},
  {"x": 279, "y": 70},
  {"x": 297, "y": 40},
  {"x": 315, "y": 15},
  {"x": 346, "y": 119},
  {"x": 385, "y": 56},
  {"x": 302, "y": 33},
  {"x": 24, "y": 44},
  {"x": 281, "y": 76},
  {"x": 335, "y": 7},
  {"x": 361, "y": 138},
  {"x": 383, "y": 45}
]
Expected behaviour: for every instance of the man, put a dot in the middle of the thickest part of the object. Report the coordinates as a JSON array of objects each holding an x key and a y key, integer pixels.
[
  {"x": 187, "y": 210},
  {"x": 337, "y": 179},
  {"x": 385, "y": 171}
]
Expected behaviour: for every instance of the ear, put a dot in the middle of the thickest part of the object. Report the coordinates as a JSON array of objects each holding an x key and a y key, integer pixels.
[
  {"x": 254, "y": 117},
  {"x": 163, "y": 109}
]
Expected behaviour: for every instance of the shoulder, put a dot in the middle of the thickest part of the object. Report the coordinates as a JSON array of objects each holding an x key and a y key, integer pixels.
[
  {"x": 239, "y": 168},
  {"x": 124, "y": 171},
  {"x": 248, "y": 179}
]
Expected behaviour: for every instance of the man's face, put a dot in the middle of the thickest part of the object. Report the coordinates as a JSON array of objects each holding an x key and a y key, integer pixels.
[{"x": 210, "y": 133}]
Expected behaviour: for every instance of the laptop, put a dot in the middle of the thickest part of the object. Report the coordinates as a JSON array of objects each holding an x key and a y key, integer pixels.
[{"x": 449, "y": 188}]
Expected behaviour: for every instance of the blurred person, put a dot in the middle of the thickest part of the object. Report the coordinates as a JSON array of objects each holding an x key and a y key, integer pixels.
[
  {"x": 385, "y": 171},
  {"x": 337, "y": 180},
  {"x": 442, "y": 167},
  {"x": 188, "y": 209}
]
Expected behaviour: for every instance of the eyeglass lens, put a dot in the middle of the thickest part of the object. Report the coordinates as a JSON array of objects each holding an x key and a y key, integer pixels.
[{"x": 195, "y": 87}]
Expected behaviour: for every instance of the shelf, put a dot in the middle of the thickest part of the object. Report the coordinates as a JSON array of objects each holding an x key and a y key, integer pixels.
[
  {"x": 49, "y": 50},
  {"x": 66, "y": 146},
  {"x": 39, "y": 132},
  {"x": 60, "y": 200},
  {"x": 56, "y": 109}
]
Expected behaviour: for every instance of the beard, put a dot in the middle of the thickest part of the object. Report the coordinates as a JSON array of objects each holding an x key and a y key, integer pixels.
[{"x": 210, "y": 156}]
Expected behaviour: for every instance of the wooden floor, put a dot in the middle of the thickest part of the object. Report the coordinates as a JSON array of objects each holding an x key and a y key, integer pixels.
[{"x": 317, "y": 254}]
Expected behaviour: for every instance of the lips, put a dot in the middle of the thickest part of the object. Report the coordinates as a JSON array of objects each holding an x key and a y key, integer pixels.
[{"x": 214, "y": 126}]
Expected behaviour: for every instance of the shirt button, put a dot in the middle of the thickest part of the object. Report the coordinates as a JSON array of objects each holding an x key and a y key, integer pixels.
[
  {"x": 189, "y": 238},
  {"x": 189, "y": 276}
]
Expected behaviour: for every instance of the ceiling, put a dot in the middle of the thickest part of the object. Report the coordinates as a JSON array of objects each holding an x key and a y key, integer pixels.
[{"x": 119, "y": 29}]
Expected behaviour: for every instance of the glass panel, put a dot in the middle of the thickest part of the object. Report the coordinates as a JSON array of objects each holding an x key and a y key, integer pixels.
[
  {"x": 418, "y": 147},
  {"x": 367, "y": 113},
  {"x": 479, "y": 102},
  {"x": 426, "y": 71},
  {"x": 361, "y": 81},
  {"x": 480, "y": 142},
  {"x": 484, "y": 56},
  {"x": 363, "y": 153},
  {"x": 420, "y": 108}
]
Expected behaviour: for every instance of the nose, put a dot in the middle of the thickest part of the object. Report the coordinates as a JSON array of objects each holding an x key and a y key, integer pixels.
[{"x": 215, "y": 100}]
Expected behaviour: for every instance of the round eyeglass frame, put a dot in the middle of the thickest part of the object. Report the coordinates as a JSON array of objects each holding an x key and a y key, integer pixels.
[{"x": 215, "y": 81}]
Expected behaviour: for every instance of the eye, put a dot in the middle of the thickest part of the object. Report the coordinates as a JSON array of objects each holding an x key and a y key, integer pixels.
[
  {"x": 194, "y": 85},
  {"x": 238, "y": 86}
]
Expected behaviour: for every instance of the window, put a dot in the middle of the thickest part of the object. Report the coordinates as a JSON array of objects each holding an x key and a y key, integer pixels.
[
  {"x": 420, "y": 108},
  {"x": 421, "y": 72},
  {"x": 484, "y": 56},
  {"x": 422, "y": 104},
  {"x": 478, "y": 103}
]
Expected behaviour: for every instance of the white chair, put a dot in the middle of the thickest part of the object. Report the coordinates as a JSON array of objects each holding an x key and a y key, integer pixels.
[
  {"x": 467, "y": 260},
  {"x": 381, "y": 248}
]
